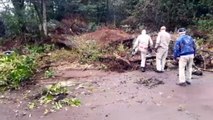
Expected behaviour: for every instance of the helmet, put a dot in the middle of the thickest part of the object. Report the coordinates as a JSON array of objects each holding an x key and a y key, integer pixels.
[
  {"x": 163, "y": 28},
  {"x": 143, "y": 32}
]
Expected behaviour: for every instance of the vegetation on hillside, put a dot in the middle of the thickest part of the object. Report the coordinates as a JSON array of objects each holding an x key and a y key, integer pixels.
[{"x": 14, "y": 69}]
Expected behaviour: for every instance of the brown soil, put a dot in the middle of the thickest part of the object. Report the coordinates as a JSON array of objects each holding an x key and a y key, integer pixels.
[{"x": 106, "y": 36}]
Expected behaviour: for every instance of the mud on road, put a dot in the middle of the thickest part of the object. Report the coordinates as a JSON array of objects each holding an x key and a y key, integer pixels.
[{"x": 122, "y": 96}]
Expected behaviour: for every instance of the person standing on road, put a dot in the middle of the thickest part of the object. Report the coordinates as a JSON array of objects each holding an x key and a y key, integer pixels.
[
  {"x": 161, "y": 48},
  {"x": 142, "y": 43},
  {"x": 184, "y": 50}
]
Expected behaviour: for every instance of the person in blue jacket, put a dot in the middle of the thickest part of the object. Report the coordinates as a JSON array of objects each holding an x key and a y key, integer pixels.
[{"x": 184, "y": 51}]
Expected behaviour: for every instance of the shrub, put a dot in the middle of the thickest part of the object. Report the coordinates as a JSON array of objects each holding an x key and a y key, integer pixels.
[
  {"x": 199, "y": 42},
  {"x": 92, "y": 26},
  {"x": 122, "y": 49},
  {"x": 205, "y": 25},
  {"x": 39, "y": 48},
  {"x": 14, "y": 69},
  {"x": 49, "y": 74},
  {"x": 89, "y": 51}
]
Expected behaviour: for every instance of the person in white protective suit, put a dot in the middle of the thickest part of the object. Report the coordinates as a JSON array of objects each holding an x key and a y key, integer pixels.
[
  {"x": 161, "y": 48},
  {"x": 142, "y": 43}
]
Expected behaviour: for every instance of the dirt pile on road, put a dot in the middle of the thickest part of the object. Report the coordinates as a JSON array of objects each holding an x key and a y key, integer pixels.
[
  {"x": 106, "y": 36},
  {"x": 115, "y": 42}
]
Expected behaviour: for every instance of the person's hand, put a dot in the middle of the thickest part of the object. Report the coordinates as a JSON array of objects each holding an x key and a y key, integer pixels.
[
  {"x": 133, "y": 52},
  {"x": 150, "y": 50},
  {"x": 156, "y": 49},
  {"x": 176, "y": 60}
]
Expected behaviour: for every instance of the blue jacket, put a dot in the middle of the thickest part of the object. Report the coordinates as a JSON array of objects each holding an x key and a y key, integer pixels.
[{"x": 185, "y": 45}]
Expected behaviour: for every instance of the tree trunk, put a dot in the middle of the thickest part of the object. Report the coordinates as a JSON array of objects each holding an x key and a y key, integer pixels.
[
  {"x": 41, "y": 10},
  {"x": 44, "y": 17},
  {"x": 36, "y": 5}
]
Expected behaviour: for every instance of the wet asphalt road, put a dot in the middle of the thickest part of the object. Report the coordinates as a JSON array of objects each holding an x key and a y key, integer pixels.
[{"x": 118, "y": 96}]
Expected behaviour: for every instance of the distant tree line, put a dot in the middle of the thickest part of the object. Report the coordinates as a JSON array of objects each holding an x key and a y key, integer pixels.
[{"x": 32, "y": 16}]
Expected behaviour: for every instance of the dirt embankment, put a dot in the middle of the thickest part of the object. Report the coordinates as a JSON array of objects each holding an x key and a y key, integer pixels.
[{"x": 106, "y": 36}]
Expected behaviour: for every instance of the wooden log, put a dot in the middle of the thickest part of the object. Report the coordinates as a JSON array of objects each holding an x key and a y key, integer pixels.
[{"x": 122, "y": 59}]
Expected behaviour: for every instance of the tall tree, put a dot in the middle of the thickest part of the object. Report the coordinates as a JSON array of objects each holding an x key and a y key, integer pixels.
[
  {"x": 19, "y": 12},
  {"x": 41, "y": 10},
  {"x": 44, "y": 17}
]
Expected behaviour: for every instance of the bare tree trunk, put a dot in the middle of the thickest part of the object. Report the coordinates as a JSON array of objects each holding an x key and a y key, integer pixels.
[
  {"x": 40, "y": 8},
  {"x": 44, "y": 18},
  {"x": 36, "y": 5}
]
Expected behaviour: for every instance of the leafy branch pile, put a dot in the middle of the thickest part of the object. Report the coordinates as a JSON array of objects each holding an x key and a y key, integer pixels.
[
  {"x": 14, "y": 69},
  {"x": 56, "y": 95},
  {"x": 89, "y": 51},
  {"x": 37, "y": 49}
]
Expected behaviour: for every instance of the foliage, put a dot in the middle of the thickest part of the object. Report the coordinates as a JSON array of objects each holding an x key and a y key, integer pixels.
[
  {"x": 63, "y": 54},
  {"x": 72, "y": 102},
  {"x": 56, "y": 95},
  {"x": 199, "y": 42},
  {"x": 36, "y": 48},
  {"x": 26, "y": 16},
  {"x": 11, "y": 23},
  {"x": 171, "y": 13},
  {"x": 206, "y": 24},
  {"x": 49, "y": 74},
  {"x": 20, "y": 18},
  {"x": 121, "y": 50},
  {"x": 92, "y": 26},
  {"x": 31, "y": 105},
  {"x": 15, "y": 68},
  {"x": 210, "y": 37},
  {"x": 52, "y": 91},
  {"x": 89, "y": 51},
  {"x": 205, "y": 43}
]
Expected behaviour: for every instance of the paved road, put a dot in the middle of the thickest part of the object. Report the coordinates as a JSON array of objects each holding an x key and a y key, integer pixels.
[{"x": 120, "y": 96}]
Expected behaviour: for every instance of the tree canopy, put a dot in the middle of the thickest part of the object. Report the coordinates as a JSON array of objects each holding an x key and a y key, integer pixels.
[{"x": 31, "y": 16}]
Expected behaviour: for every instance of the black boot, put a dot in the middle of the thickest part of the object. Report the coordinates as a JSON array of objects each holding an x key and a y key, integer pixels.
[
  {"x": 184, "y": 84},
  {"x": 143, "y": 69},
  {"x": 157, "y": 71},
  {"x": 188, "y": 83}
]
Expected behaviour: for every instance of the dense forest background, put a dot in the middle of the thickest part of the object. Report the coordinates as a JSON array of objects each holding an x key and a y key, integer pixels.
[{"x": 38, "y": 17}]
